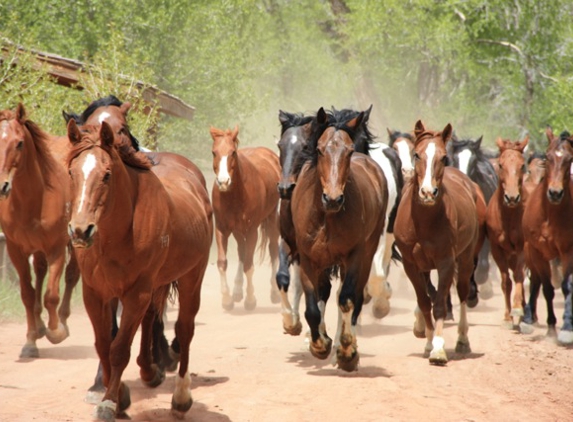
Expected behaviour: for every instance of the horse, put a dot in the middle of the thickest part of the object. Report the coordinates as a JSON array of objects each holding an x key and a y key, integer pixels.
[
  {"x": 113, "y": 111},
  {"x": 535, "y": 171},
  {"x": 245, "y": 197},
  {"x": 34, "y": 212},
  {"x": 504, "y": 229},
  {"x": 135, "y": 232},
  {"x": 403, "y": 143},
  {"x": 338, "y": 209},
  {"x": 439, "y": 225},
  {"x": 467, "y": 156},
  {"x": 295, "y": 131},
  {"x": 548, "y": 233}
]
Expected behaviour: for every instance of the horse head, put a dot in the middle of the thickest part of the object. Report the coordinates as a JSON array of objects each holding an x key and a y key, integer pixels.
[
  {"x": 403, "y": 143},
  {"x": 90, "y": 168},
  {"x": 13, "y": 135},
  {"x": 559, "y": 159},
  {"x": 295, "y": 132},
  {"x": 225, "y": 147},
  {"x": 512, "y": 169},
  {"x": 465, "y": 154},
  {"x": 430, "y": 159},
  {"x": 335, "y": 148}
]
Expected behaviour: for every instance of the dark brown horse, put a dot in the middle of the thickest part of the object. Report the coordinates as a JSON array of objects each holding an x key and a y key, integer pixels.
[
  {"x": 135, "y": 233},
  {"x": 548, "y": 232},
  {"x": 403, "y": 143},
  {"x": 440, "y": 225},
  {"x": 338, "y": 210},
  {"x": 504, "y": 229},
  {"x": 245, "y": 197},
  {"x": 536, "y": 163},
  {"x": 34, "y": 213}
]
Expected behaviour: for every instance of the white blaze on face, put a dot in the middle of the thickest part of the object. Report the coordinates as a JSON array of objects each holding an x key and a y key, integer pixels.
[
  {"x": 427, "y": 182},
  {"x": 103, "y": 117},
  {"x": 404, "y": 153},
  {"x": 293, "y": 139},
  {"x": 88, "y": 166},
  {"x": 223, "y": 176},
  {"x": 464, "y": 160}
]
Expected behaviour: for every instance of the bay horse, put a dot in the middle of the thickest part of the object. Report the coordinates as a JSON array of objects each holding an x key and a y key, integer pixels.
[
  {"x": 548, "y": 233},
  {"x": 245, "y": 197},
  {"x": 439, "y": 225},
  {"x": 338, "y": 209},
  {"x": 468, "y": 156},
  {"x": 35, "y": 201},
  {"x": 295, "y": 132},
  {"x": 504, "y": 228},
  {"x": 134, "y": 233},
  {"x": 115, "y": 112},
  {"x": 535, "y": 170}
]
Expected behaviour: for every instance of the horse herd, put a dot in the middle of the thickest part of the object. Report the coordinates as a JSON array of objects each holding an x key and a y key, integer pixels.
[{"x": 137, "y": 224}]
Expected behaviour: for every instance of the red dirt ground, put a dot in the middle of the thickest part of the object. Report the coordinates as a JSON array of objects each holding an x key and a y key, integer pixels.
[{"x": 245, "y": 369}]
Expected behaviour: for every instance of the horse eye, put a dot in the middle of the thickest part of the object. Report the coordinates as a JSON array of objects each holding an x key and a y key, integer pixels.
[
  {"x": 445, "y": 159},
  {"x": 106, "y": 176},
  {"x": 20, "y": 145}
]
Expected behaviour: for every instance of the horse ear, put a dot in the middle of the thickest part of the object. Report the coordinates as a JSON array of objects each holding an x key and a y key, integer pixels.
[
  {"x": 106, "y": 134},
  {"x": 549, "y": 133},
  {"x": 447, "y": 133},
  {"x": 74, "y": 134},
  {"x": 499, "y": 142},
  {"x": 283, "y": 117},
  {"x": 523, "y": 144},
  {"x": 419, "y": 128},
  {"x": 125, "y": 107},
  {"x": 67, "y": 116},
  {"x": 357, "y": 121},
  {"x": 321, "y": 116},
  {"x": 367, "y": 113},
  {"x": 213, "y": 131},
  {"x": 235, "y": 133},
  {"x": 389, "y": 132},
  {"x": 478, "y": 141},
  {"x": 20, "y": 113}
]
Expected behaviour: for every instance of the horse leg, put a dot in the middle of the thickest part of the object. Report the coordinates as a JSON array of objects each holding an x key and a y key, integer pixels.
[
  {"x": 238, "y": 283},
  {"x": 565, "y": 336},
  {"x": 316, "y": 298},
  {"x": 151, "y": 372},
  {"x": 539, "y": 270},
  {"x": 189, "y": 303},
  {"x": 549, "y": 295},
  {"x": 57, "y": 331},
  {"x": 72, "y": 276},
  {"x": 518, "y": 265},
  {"x": 272, "y": 231},
  {"x": 446, "y": 271},
  {"x": 291, "y": 321},
  {"x": 222, "y": 240},
  {"x": 465, "y": 273},
  {"x": 377, "y": 286},
  {"x": 482, "y": 272},
  {"x": 423, "y": 326},
  {"x": 97, "y": 390},
  {"x": 249, "y": 247}
]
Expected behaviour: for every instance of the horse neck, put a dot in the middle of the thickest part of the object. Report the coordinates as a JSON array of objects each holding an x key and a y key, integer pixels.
[{"x": 29, "y": 181}]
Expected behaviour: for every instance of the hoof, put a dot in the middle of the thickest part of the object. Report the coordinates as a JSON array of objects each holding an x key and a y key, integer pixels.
[
  {"x": 418, "y": 333},
  {"x": 348, "y": 364},
  {"x": 472, "y": 302},
  {"x": 294, "y": 330},
  {"x": 449, "y": 316},
  {"x": 124, "y": 399},
  {"x": 40, "y": 331},
  {"x": 565, "y": 337},
  {"x": 228, "y": 305},
  {"x": 525, "y": 328},
  {"x": 158, "y": 377},
  {"x": 250, "y": 304},
  {"x": 323, "y": 352},
  {"x": 438, "y": 357},
  {"x": 237, "y": 296},
  {"x": 178, "y": 410},
  {"x": 486, "y": 291},
  {"x": 58, "y": 335},
  {"x": 105, "y": 411},
  {"x": 463, "y": 347},
  {"x": 29, "y": 351},
  {"x": 275, "y": 297},
  {"x": 380, "y": 308},
  {"x": 507, "y": 324}
]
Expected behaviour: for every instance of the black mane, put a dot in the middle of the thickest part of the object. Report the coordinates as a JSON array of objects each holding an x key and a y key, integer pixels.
[
  {"x": 289, "y": 120},
  {"x": 110, "y": 100},
  {"x": 396, "y": 134}
]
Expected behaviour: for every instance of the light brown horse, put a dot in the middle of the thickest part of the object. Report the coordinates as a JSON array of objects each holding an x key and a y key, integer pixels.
[
  {"x": 245, "y": 197},
  {"x": 34, "y": 212},
  {"x": 338, "y": 210},
  {"x": 440, "y": 225},
  {"x": 504, "y": 229},
  {"x": 135, "y": 233},
  {"x": 548, "y": 232}
]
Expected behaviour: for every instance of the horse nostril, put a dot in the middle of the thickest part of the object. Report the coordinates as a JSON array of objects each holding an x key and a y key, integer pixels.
[
  {"x": 324, "y": 198},
  {"x": 435, "y": 192},
  {"x": 339, "y": 200},
  {"x": 90, "y": 231}
]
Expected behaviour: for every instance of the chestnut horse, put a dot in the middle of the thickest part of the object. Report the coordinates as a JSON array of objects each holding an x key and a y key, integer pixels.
[
  {"x": 548, "y": 232},
  {"x": 244, "y": 197},
  {"x": 34, "y": 212},
  {"x": 440, "y": 225},
  {"x": 134, "y": 233},
  {"x": 338, "y": 209},
  {"x": 504, "y": 229}
]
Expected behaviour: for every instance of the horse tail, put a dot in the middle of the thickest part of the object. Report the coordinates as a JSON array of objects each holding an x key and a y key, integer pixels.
[
  {"x": 396, "y": 256},
  {"x": 161, "y": 295},
  {"x": 264, "y": 232}
]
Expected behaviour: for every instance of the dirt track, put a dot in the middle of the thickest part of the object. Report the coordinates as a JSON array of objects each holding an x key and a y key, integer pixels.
[{"x": 245, "y": 369}]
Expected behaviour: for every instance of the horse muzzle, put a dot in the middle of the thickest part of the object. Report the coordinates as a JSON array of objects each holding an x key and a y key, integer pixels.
[
  {"x": 555, "y": 195},
  {"x": 332, "y": 204},
  {"x": 285, "y": 190},
  {"x": 511, "y": 201},
  {"x": 428, "y": 196},
  {"x": 223, "y": 185},
  {"x": 82, "y": 238}
]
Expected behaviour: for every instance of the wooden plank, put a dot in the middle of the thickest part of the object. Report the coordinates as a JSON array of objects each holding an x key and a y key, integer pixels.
[{"x": 66, "y": 72}]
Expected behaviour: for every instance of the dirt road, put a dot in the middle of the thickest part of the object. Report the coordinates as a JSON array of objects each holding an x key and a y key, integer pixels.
[{"x": 245, "y": 369}]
